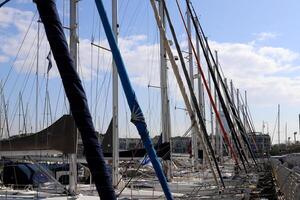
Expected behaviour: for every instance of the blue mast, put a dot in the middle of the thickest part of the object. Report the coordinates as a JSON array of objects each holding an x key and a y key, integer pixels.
[{"x": 137, "y": 117}]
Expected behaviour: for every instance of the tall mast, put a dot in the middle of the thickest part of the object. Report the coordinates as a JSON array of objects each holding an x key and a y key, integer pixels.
[
  {"x": 245, "y": 113},
  {"x": 299, "y": 124},
  {"x": 211, "y": 114},
  {"x": 73, "y": 53},
  {"x": 217, "y": 132},
  {"x": 278, "y": 124},
  {"x": 37, "y": 79},
  {"x": 285, "y": 132},
  {"x": 200, "y": 91},
  {"x": 238, "y": 101},
  {"x": 194, "y": 135},
  {"x": 165, "y": 107},
  {"x": 115, "y": 164}
]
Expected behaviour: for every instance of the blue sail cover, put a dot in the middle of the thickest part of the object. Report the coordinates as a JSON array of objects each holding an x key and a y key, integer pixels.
[
  {"x": 77, "y": 98},
  {"x": 137, "y": 117}
]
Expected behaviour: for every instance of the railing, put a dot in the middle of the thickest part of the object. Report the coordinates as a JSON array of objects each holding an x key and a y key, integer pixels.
[{"x": 287, "y": 180}]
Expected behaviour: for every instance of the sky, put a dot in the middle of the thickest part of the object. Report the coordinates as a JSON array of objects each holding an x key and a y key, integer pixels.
[{"x": 257, "y": 43}]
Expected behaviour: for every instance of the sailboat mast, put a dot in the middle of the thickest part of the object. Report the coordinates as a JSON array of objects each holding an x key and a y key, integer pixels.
[
  {"x": 217, "y": 147},
  {"x": 191, "y": 70},
  {"x": 73, "y": 54},
  {"x": 278, "y": 124},
  {"x": 115, "y": 131},
  {"x": 165, "y": 107},
  {"x": 37, "y": 78},
  {"x": 200, "y": 91}
]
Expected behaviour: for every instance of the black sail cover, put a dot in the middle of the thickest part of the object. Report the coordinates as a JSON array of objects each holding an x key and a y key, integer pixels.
[{"x": 77, "y": 98}]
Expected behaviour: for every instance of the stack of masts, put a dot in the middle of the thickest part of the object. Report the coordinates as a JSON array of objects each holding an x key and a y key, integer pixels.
[
  {"x": 241, "y": 128},
  {"x": 228, "y": 105}
]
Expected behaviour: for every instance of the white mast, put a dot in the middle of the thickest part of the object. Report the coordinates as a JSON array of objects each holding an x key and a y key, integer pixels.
[
  {"x": 73, "y": 53},
  {"x": 165, "y": 107},
  {"x": 278, "y": 123},
  {"x": 115, "y": 164},
  {"x": 194, "y": 135},
  {"x": 200, "y": 90},
  {"x": 211, "y": 114},
  {"x": 217, "y": 132},
  {"x": 37, "y": 79},
  {"x": 245, "y": 113}
]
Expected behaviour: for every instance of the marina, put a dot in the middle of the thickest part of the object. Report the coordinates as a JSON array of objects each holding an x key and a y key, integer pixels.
[{"x": 146, "y": 115}]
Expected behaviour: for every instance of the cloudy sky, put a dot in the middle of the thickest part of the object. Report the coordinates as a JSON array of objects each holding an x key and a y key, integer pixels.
[{"x": 257, "y": 43}]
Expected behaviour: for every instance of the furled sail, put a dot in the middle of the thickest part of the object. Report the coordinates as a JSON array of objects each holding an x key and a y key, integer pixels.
[{"x": 76, "y": 96}]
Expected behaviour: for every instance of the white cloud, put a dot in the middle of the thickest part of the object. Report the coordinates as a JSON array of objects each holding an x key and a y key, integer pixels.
[
  {"x": 263, "y": 71},
  {"x": 265, "y": 36},
  {"x": 3, "y": 58}
]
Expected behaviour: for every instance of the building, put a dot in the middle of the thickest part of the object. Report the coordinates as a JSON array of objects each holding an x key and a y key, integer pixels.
[{"x": 260, "y": 144}]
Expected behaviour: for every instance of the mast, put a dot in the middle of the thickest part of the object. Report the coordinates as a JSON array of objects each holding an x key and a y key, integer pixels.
[
  {"x": 191, "y": 71},
  {"x": 285, "y": 132},
  {"x": 115, "y": 164},
  {"x": 200, "y": 92},
  {"x": 211, "y": 115},
  {"x": 217, "y": 147},
  {"x": 37, "y": 78},
  {"x": 73, "y": 54},
  {"x": 245, "y": 113},
  {"x": 165, "y": 107},
  {"x": 76, "y": 96},
  {"x": 278, "y": 131}
]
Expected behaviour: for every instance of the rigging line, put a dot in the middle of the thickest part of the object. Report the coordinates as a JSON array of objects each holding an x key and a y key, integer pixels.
[
  {"x": 213, "y": 103},
  {"x": 22, "y": 67},
  {"x": 133, "y": 18},
  {"x": 19, "y": 49},
  {"x": 24, "y": 86},
  {"x": 240, "y": 126},
  {"x": 204, "y": 140},
  {"x": 57, "y": 101},
  {"x": 3, "y": 3},
  {"x": 206, "y": 50},
  {"x": 105, "y": 105}
]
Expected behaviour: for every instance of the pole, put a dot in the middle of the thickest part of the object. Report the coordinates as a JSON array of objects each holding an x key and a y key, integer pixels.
[
  {"x": 285, "y": 132},
  {"x": 191, "y": 71},
  {"x": 211, "y": 116},
  {"x": 37, "y": 78},
  {"x": 217, "y": 148},
  {"x": 165, "y": 107},
  {"x": 73, "y": 53},
  {"x": 115, "y": 164},
  {"x": 200, "y": 92},
  {"x": 245, "y": 113},
  {"x": 278, "y": 124}
]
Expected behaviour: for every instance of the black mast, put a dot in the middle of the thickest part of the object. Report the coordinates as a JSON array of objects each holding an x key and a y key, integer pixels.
[{"x": 77, "y": 98}]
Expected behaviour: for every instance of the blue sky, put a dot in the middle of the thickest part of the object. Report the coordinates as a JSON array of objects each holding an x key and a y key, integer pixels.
[{"x": 257, "y": 43}]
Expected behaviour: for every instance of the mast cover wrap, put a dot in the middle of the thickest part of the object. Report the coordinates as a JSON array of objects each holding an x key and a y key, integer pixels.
[{"x": 77, "y": 98}]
